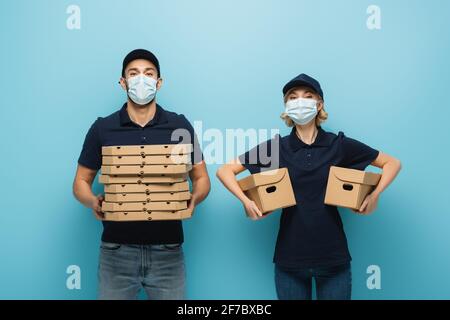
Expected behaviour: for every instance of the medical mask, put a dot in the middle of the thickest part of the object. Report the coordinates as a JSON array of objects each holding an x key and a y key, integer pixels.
[
  {"x": 301, "y": 110},
  {"x": 141, "y": 89}
]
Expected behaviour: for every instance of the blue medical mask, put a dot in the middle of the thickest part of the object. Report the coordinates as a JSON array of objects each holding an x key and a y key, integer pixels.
[
  {"x": 301, "y": 110},
  {"x": 141, "y": 89}
]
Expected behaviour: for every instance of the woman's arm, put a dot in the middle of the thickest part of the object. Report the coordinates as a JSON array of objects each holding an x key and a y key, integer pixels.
[
  {"x": 227, "y": 175},
  {"x": 391, "y": 167}
]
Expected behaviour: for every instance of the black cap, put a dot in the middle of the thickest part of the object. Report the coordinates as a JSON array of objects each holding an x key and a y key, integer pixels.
[
  {"x": 303, "y": 80},
  {"x": 140, "y": 54}
]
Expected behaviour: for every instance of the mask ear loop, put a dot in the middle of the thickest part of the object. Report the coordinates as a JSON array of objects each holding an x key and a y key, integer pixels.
[{"x": 126, "y": 83}]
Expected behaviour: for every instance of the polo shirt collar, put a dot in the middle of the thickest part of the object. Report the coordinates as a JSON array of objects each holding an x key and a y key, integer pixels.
[
  {"x": 322, "y": 140},
  {"x": 159, "y": 118}
]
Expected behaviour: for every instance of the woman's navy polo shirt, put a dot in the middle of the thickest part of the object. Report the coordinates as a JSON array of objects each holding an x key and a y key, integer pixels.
[
  {"x": 118, "y": 129},
  {"x": 311, "y": 233}
]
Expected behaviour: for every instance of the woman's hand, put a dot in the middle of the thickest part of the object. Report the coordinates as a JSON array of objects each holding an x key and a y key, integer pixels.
[
  {"x": 391, "y": 167},
  {"x": 252, "y": 209},
  {"x": 369, "y": 204}
]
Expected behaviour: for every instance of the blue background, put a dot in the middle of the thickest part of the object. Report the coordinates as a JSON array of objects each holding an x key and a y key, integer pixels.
[{"x": 225, "y": 62}]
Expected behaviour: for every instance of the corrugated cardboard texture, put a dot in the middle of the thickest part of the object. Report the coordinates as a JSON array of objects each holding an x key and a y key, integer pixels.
[
  {"x": 136, "y": 150},
  {"x": 349, "y": 187},
  {"x": 144, "y": 197},
  {"x": 143, "y": 160},
  {"x": 148, "y": 216},
  {"x": 147, "y": 187},
  {"x": 116, "y": 179},
  {"x": 147, "y": 182},
  {"x": 270, "y": 190},
  {"x": 146, "y": 169},
  {"x": 144, "y": 206}
]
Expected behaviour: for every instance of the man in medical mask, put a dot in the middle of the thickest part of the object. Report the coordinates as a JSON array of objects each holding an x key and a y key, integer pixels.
[{"x": 139, "y": 254}]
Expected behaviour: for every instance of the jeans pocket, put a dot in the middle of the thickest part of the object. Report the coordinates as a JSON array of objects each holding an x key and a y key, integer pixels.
[{"x": 109, "y": 246}]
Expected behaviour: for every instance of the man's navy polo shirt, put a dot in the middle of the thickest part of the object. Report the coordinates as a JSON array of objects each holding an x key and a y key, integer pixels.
[
  {"x": 311, "y": 233},
  {"x": 119, "y": 129}
]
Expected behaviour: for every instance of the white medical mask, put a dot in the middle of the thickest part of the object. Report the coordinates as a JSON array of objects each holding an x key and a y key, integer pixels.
[
  {"x": 301, "y": 110},
  {"x": 141, "y": 89}
]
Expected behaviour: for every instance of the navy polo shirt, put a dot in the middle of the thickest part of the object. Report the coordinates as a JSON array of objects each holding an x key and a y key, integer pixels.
[
  {"x": 119, "y": 129},
  {"x": 311, "y": 233}
]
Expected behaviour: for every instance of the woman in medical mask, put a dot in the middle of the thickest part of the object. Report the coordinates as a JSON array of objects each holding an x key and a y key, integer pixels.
[{"x": 311, "y": 244}]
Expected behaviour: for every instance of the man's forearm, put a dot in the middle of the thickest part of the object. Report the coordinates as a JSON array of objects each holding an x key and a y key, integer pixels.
[
  {"x": 83, "y": 192},
  {"x": 200, "y": 189}
]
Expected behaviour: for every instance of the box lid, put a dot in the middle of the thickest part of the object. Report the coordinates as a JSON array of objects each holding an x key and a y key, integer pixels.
[
  {"x": 355, "y": 176},
  {"x": 262, "y": 178}
]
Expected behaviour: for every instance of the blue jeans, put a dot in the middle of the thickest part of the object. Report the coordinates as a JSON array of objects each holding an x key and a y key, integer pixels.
[
  {"x": 332, "y": 283},
  {"x": 125, "y": 269}
]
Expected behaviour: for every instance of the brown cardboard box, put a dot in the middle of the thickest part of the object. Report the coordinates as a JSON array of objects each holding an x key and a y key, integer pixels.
[
  {"x": 146, "y": 182},
  {"x": 270, "y": 190},
  {"x": 147, "y": 169},
  {"x": 143, "y": 160},
  {"x": 144, "y": 206},
  {"x": 138, "y": 179},
  {"x": 147, "y": 197},
  {"x": 348, "y": 187},
  {"x": 147, "y": 216},
  {"x": 139, "y": 150},
  {"x": 147, "y": 188}
]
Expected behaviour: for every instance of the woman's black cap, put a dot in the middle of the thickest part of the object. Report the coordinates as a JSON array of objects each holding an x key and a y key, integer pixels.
[{"x": 303, "y": 80}]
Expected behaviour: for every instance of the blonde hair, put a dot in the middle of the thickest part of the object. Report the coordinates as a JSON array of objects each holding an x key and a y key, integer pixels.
[{"x": 321, "y": 116}]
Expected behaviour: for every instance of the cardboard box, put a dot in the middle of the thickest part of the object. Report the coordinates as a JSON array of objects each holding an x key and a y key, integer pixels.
[
  {"x": 147, "y": 197},
  {"x": 144, "y": 206},
  {"x": 146, "y": 182},
  {"x": 147, "y": 169},
  {"x": 270, "y": 190},
  {"x": 148, "y": 216},
  {"x": 143, "y": 160},
  {"x": 138, "y": 179},
  {"x": 139, "y": 150},
  {"x": 348, "y": 187},
  {"x": 147, "y": 188}
]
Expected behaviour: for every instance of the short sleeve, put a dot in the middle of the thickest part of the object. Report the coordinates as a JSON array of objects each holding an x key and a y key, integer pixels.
[
  {"x": 264, "y": 156},
  {"x": 197, "y": 154},
  {"x": 357, "y": 155},
  {"x": 91, "y": 153}
]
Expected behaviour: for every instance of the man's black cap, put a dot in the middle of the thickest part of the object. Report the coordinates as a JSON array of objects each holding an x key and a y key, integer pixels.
[
  {"x": 303, "y": 80},
  {"x": 140, "y": 54}
]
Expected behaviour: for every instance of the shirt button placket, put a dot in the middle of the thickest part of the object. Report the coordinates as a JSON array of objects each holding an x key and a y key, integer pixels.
[
  {"x": 308, "y": 156},
  {"x": 143, "y": 138}
]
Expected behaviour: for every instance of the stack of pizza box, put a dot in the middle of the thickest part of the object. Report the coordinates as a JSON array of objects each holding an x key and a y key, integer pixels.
[{"x": 146, "y": 182}]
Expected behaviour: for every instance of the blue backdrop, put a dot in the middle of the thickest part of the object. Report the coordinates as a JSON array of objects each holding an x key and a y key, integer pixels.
[{"x": 225, "y": 62}]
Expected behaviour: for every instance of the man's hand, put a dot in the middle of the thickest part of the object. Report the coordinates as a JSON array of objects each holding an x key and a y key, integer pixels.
[
  {"x": 97, "y": 207},
  {"x": 191, "y": 206},
  {"x": 369, "y": 204}
]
